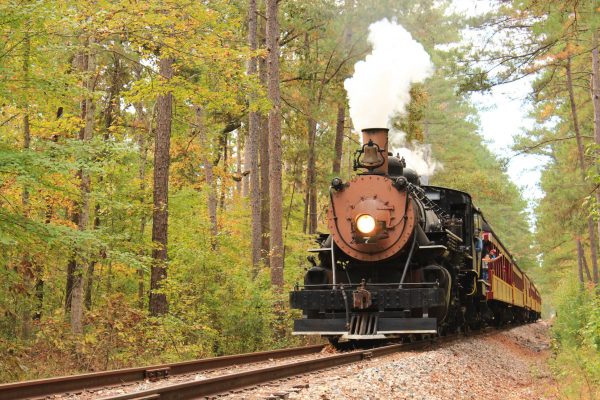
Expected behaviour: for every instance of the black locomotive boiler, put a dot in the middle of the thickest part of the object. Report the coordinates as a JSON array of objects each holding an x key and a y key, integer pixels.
[{"x": 403, "y": 258}]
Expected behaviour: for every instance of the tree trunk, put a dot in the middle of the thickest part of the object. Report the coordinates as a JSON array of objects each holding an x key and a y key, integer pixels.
[
  {"x": 160, "y": 216},
  {"x": 89, "y": 279},
  {"x": 223, "y": 177},
  {"x": 26, "y": 127},
  {"x": 144, "y": 137},
  {"x": 209, "y": 175},
  {"x": 310, "y": 77},
  {"x": 580, "y": 256},
  {"x": 580, "y": 148},
  {"x": 239, "y": 145},
  {"x": 306, "y": 202},
  {"x": 339, "y": 138},
  {"x": 39, "y": 284},
  {"x": 309, "y": 224},
  {"x": 585, "y": 266},
  {"x": 109, "y": 113},
  {"x": 265, "y": 210},
  {"x": 26, "y": 265},
  {"x": 69, "y": 284},
  {"x": 581, "y": 159},
  {"x": 252, "y": 144},
  {"x": 39, "y": 293},
  {"x": 295, "y": 180},
  {"x": 275, "y": 160},
  {"x": 89, "y": 66},
  {"x": 72, "y": 264},
  {"x": 349, "y": 166},
  {"x": 596, "y": 102},
  {"x": 143, "y": 146},
  {"x": 39, "y": 270},
  {"x": 312, "y": 173},
  {"x": 247, "y": 162},
  {"x": 112, "y": 104}
]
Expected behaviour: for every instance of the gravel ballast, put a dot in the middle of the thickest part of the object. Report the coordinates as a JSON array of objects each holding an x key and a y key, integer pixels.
[{"x": 507, "y": 365}]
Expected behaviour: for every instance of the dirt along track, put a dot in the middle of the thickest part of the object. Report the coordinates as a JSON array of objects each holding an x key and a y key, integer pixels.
[{"x": 509, "y": 364}]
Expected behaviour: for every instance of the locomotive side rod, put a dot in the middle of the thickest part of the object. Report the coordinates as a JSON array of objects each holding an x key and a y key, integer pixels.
[{"x": 75, "y": 383}]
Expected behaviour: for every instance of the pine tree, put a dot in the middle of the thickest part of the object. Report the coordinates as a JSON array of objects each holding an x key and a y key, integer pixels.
[{"x": 160, "y": 216}]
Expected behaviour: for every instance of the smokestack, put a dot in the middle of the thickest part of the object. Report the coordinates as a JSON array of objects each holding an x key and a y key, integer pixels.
[{"x": 378, "y": 136}]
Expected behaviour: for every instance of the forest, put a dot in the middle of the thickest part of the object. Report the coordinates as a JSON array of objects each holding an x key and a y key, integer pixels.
[{"x": 165, "y": 164}]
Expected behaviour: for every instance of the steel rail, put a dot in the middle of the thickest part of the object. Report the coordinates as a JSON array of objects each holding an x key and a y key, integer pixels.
[{"x": 76, "y": 383}]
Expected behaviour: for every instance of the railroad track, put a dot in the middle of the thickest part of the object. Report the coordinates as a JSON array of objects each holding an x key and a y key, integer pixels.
[
  {"x": 78, "y": 383},
  {"x": 225, "y": 381},
  {"x": 230, "y": 382}
]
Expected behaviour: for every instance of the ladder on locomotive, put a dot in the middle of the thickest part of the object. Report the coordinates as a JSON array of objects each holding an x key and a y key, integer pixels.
[{"x": 420, "y": 195}]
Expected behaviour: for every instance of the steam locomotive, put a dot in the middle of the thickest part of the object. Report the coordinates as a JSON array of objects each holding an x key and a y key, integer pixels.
[{"x": 402, "y": 258}]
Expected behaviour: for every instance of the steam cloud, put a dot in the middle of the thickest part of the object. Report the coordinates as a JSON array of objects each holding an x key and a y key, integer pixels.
[
  {"x": 418, "y": 157},
  {"x": 380, "y": 87}
]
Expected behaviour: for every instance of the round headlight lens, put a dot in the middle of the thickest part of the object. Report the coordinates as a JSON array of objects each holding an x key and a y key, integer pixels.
[{"x": 365, "y": 223}]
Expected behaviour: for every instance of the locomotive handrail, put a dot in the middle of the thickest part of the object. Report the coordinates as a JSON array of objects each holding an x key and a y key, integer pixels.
[
  {"x": 422, "y": 196},
  {"x": 410, "y": 254},
  {"x": 333, "y": 265}
]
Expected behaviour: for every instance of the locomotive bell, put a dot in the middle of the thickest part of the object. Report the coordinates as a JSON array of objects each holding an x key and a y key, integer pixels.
[
  {"x": 376, "y": 149},
  {"x": 372, "y": 157}
]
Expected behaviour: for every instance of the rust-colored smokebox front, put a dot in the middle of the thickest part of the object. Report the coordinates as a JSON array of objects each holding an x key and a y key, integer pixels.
[{"x": 369, "y": 218}]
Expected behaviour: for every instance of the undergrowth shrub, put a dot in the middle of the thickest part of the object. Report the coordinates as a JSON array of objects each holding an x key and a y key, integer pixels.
[{"x": 576, "y": 341}]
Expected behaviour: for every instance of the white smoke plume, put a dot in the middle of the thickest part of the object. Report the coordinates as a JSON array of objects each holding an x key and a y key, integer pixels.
[
  {"x": 380, "y": 87},
  {"x": 418, "y": 156}
]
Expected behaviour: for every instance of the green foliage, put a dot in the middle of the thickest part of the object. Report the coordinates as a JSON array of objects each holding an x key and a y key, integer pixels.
[
  {"x": 217, "y": 303},
  {"x": 576, "y": 333}
]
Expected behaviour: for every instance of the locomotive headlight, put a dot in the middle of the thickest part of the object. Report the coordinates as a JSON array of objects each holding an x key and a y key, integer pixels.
[{"x": 365, "y": 223}]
